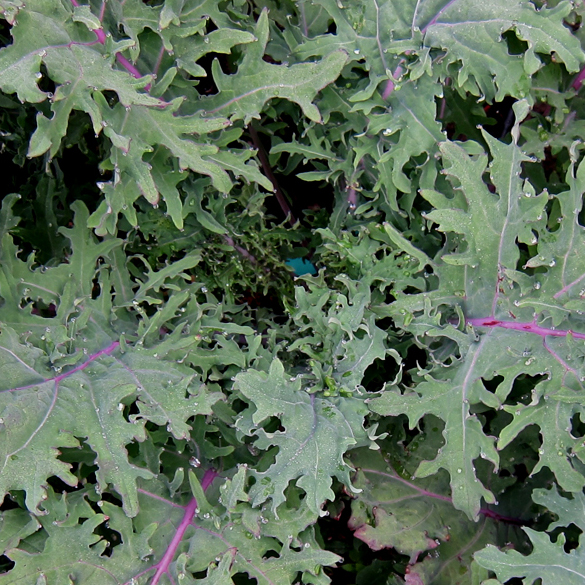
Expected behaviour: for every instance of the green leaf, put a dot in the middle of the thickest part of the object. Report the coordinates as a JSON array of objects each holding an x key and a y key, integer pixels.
[
  {"x": 464, "y": 437},
  {"x": 514, "y": 213},
  {"x": 394, "y": 511},
  {"x": 197, "y": 406},
  {"x": 358, "y": 354},
  {"x": 567, "y": 511},
  {"x": 162, "y": 127},
  {"x": 366, "y": 30},
  {"x": 10, "y": 9},
  {"x": 87, "y": 401},
  {"x": 313, "y": 151},
  {"x": 558, "y": 252},
  {"x": 155, "y": 280},
  {"x": 462, "y": 33},
  {"x": 381, "y": 31},
  {"x": 248, "y": 554},
  {"x": 65, "y": 286},
  {"x": 558, "y": 445},
  {"x": 171, "y": 12},
  {"x": 316, "y": 434},
  {"x": 83, "y": 14},
  {"x": 243, "y": 94},
  {"x": 16, "y": 525},
  {"x": 548, "y": 561},
  {"x": 482, "y": 269},
  {"x": 191, "y": 49},
  {"x": 73, "y": 550},
  {"x": 77, "y": 70}
]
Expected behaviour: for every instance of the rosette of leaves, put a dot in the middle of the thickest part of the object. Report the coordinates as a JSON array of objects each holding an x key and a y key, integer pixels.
[{"x": 175, "y": 407}]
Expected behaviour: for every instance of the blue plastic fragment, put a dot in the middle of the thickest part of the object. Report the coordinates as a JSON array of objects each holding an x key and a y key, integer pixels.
[{"x": 301, "y": 266}]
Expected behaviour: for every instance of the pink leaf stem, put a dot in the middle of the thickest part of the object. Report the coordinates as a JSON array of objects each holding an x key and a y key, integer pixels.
[
  {"x": 420, "y": 490},
  {"x": 101, "y": 37},
  {"x": 433, "y": 20},
  {"x": 266, "y": 167},
  {"x": 568, "y": 286},
  {"x": 159, "y": 59},
  {"x": 107, "y": 351},
  {"x": 230, "y": 242},
  {"x": 500, "y": 518},
  {"x": 561, "y": 361},
  {"x": 425, "y": 493},
  {"x": 351, "y": 198},
  {"x": 103, "y": 10},
  {"x": 162, "y": 566},
  {"x": 57, "y": 379},
  {"x": 160, "y": 499},
  {"x": 524, "y": 326},
  {"x": 130, "y": 68},
  {"x": 390, "y": 85},
  {"x": 565, "y": 365},
  {"x": 578, "y": 81}
]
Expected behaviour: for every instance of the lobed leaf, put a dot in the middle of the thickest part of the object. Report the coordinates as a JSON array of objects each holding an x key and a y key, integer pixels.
[
  {"x": 548, "y": 562},
  {"x": 243, "y": 94},
  {"x": 316, "y": 433}
]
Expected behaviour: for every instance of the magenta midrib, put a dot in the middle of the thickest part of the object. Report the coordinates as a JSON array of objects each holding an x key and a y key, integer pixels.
[
  {"x": 526, "y": 327},
  {"x": 487, "y": 322}
]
